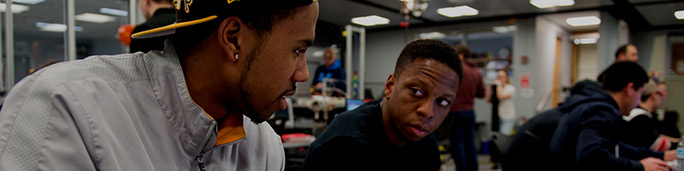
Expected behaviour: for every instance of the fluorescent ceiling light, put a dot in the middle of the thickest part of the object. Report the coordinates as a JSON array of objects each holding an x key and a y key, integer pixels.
[
  {"x": 318, "y": 54},
  {"x": 504, "y": 29},
  {"x": 585, "y": 41},
  {"x": 458, "y": 11},
  {"x": 432, "y": 35},
  {"x": 53, "y": 27},
  {"x": 16, "y": 8},
  {"x": 583, "y": 21},
  {"x": 370, "y": 20},
  {"x": 30, "y": 2},
  {"x": 679, "y": 14},
  {"x": 95, "y": 18},
  {"x": 114, "y": 12},
  {"x": 551, "y": 3}
]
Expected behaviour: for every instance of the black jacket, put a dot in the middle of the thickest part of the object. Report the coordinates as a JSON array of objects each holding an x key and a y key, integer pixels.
[
  {"x": 587, "y": 136},
  {"x": 356, "y": 140}
]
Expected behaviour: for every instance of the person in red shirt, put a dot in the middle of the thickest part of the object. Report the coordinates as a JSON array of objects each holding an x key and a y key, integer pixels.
[{"x": 461, "y": 117}]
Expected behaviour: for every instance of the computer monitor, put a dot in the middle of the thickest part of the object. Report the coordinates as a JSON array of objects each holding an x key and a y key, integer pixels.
[{"x": 353, "y": 104}]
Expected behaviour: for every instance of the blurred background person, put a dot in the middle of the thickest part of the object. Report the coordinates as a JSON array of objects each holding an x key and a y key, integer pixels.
[
  {"x": 504, "y": 94},
  {"x": 158, "y": 13},
  {"x": 639, "y": 127},
  {"x": 331, "y": 68},
  {"x": 460, "y": 122}
]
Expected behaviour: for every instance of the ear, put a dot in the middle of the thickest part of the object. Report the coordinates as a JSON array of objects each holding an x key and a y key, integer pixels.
[
  {"x": 630, "y": 86},
  {"x": 389, "y": 85},
  {"x": 228, "y": 35}
]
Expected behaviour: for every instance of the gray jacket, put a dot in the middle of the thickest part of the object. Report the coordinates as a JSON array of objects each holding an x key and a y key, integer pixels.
[{"x": 124, "y": 112}]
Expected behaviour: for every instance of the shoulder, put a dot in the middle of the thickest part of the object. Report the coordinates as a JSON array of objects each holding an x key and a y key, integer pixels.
[{"x": 355, "y": 124}]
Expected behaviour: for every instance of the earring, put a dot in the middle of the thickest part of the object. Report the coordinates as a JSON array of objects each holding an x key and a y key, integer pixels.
[{"x": 236, "y": 56}]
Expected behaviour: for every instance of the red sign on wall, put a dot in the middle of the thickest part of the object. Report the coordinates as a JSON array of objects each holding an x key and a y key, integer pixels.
[{"x": 525, "y": 81}]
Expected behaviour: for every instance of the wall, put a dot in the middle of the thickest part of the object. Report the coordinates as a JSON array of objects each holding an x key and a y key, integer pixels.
[
  {"x": 587, "y": 68},
  {"x": 382, "y": 52},
  {"x": 609, "y": 41}
]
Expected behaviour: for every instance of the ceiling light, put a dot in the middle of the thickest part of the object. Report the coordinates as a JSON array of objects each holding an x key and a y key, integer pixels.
[
  {"x": 16, "y": 8},
  {"x": 53, "y": 27},
  {"x": 370, "y": 20},
  {"x": 504, "y": 29},
  {"x": 551, "y": 3},
  {"x": 95, "y": 18},
  {"x": 585, "y": 41},
  {"x": 458, "y": 11},
  {"x": 432, "y": 35},
  {"x": 114, "y": 12},
  {"x": 30, "y": 2},
  {"x": 679, "y": 14},
  {"x": 583, "y": 21}
]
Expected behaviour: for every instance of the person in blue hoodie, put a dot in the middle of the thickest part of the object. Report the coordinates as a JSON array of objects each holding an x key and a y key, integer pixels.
[
  {"x": 331, "y": 68},
  {"x": 587, "y": 136}
]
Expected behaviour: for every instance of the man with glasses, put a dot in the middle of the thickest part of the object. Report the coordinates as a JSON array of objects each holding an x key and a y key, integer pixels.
[{"x": 198, "y": 105}]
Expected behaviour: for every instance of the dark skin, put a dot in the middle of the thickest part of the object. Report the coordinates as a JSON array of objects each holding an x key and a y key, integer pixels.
[
  {"x": 254, "y": 84},
  {"x": 417, "y": 100}
]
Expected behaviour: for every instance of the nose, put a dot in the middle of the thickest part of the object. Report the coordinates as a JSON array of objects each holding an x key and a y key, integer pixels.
[
  {"x": 301, "y": 73},
  {"x": 426, "y": 109}
]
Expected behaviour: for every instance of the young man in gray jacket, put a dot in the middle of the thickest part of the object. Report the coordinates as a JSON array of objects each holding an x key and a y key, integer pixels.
[{"x": 180, "y": 109}]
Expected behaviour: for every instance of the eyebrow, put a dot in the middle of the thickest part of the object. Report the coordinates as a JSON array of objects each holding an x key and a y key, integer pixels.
[
  {"x": 307, "y": 42},
  {"x": 424, "y": 83}
]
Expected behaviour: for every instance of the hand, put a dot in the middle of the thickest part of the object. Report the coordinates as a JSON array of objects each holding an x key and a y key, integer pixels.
[
  {"x": 654, "y": 164},
  {"x": 497, "y": 82},
  {"x": 318, "y": 86},
  {"x": 670, "y": 155}
]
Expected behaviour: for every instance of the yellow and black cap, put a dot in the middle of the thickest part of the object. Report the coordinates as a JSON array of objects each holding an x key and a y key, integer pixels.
[{"x": 191, "y": 12}]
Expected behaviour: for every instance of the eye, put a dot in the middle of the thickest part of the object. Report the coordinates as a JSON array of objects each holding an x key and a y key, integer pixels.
[
  {"x": 299, "y": 52},
  {"x": 443, "y": 102},
  {"x": 417, "y": 92}
]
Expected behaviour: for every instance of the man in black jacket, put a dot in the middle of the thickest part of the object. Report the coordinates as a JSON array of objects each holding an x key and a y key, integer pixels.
[
  {"x": 158, "y": 13},
  {"x": 587, "y": 136},
  {"x": 395, "y": 133}
]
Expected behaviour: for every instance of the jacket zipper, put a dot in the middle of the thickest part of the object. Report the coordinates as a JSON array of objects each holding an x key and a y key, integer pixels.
[{"x": 200, "y": 161}]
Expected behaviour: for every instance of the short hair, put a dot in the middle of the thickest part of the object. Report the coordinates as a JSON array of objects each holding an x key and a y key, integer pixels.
[
  {"x": 649, "y": 89},
  {"x": 622, "y": 50},
  {"x": 462, "y": 49},
  {"x": 429, "y": 49},
  {"x": 188, "y": 38},
  {"x": 619, "y": 74}
]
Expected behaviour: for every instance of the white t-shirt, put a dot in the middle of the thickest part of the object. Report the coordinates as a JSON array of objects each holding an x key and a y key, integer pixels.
[{"x": 506, "y": 107}]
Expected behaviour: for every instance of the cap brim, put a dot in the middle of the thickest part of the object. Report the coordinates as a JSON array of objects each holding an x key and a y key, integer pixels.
[{"x": 169, "y": 29}]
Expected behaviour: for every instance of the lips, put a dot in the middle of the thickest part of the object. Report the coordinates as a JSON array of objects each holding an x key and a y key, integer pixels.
[{"x": 418, "y": 130}]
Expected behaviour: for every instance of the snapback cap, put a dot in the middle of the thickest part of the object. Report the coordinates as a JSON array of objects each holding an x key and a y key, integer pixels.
[{"x": 192, "y": 12}]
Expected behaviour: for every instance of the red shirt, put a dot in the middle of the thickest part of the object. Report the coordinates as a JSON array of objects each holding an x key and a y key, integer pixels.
[{"x": 471, "y": 86}]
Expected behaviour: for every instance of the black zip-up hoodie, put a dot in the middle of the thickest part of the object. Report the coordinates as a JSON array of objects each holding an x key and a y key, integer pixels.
[{"x": 587, "y": 135}]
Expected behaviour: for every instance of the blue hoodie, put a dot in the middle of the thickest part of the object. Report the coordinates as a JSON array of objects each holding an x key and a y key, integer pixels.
[{"x": 587, "y": 135}]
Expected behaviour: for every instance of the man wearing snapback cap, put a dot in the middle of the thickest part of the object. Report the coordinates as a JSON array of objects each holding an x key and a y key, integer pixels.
[{"x": 180, "y": 109}]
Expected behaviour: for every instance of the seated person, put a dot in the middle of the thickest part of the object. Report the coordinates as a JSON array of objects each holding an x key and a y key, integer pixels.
[
  {"x": 639, "y": 128},
  {"x": 529, "y": 149},
  {"x": 396, "y": 132},
  {"x": 586, "y": 137}
]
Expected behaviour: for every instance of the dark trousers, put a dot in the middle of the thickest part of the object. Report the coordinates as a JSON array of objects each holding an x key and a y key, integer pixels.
[{"x": 462, "y": 139}]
